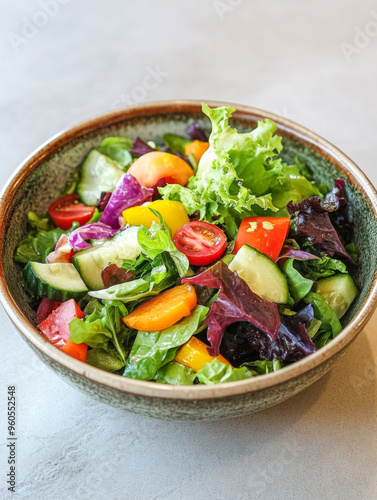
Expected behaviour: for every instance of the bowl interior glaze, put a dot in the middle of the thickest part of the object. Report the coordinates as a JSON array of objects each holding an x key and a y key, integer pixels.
[{"x": 44, "y": 174}]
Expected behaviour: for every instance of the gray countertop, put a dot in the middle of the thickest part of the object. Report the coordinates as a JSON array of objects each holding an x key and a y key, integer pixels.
[{"x": 64, "y": 61}]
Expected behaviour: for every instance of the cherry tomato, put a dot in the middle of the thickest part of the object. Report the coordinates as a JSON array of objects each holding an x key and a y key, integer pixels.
[
  {"x": 266, "y": 234},
  {"x": 201, "y": 242},
  {"x": 69, "y": 209}
]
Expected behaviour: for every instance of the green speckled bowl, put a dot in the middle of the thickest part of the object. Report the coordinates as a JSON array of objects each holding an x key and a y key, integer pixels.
[{"x": 38, "y": 180}]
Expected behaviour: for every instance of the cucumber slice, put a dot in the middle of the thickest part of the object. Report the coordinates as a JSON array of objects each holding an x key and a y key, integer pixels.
[
  {"x": 339, "y": 291},
  {"x": 55, "y": 281},
  {"x": 261, "y": 274},
  {"x": 98, "y": 174},
  {"x": 91, "y": 262}
]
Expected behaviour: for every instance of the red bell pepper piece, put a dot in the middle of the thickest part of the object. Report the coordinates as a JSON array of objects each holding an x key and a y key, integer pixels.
[
  {"x": 56, "y": 328},
  {"x": 266, "y": 234}
]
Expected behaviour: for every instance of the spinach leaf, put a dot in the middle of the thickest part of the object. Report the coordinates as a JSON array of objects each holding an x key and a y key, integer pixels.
[
  {"x": 100, "y": 358},
  {"x": 324, "y": 313},
  {"x": 154, "y": 276},
  {"x": 39, "y": 222},
  {"x": 152, "y": 350},
  {"x": 217, "y": 372},
  {"x": 316, "y": 269},
  {"x": 175, "y": 143},
  {"x": 175, "y": 374},
  {"x": 104, "y": 330},
  {"x": 297, "y": 284},
  {"x": 261, "y": 367}
]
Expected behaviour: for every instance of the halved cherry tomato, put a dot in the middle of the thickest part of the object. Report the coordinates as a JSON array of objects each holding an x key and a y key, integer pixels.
[
  {"x": 201, "y": 242},
  {"x": 65, "y": 211},
  {"x": 56, "y": 328},
  {"x": 266, "y": 234}
]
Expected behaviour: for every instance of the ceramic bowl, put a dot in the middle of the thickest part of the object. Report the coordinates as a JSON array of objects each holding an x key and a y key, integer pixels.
[{"x": 39, "y": 179}]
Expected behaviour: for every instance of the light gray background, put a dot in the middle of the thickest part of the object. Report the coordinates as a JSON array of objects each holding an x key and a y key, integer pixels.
[{"x": 305, "y": 60}]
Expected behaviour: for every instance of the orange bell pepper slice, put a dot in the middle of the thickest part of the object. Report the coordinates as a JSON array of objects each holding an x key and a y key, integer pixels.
[{"x": 164, "y": 310}]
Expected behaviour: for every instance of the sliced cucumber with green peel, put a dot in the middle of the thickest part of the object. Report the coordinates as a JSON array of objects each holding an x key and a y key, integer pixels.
[
  {"x": 339, "y": 291},
  {"x": 55, "y": 281},
  {"x": 261, "y": 274},
  {"x": 91, "y": 262},
  {"x": 98, "y": 174}
]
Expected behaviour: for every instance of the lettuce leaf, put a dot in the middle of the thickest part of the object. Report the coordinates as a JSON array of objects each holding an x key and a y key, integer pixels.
[
  {"x": 217, "y": 372},
  {"x": 158, "y": 239},
  {"x": 218, "y": 194},
  {"x": 254, "y": 155},
  {"x": 241, "y": 174},
  {"x": 40, "y": 241},
  {"x": 152, "y": 350},
  {"x": 292, "y": 187},
  {"x": 118, "y": 149},
  {"x": 175, "y": 374},
  {"x": 103, "y": 329}
]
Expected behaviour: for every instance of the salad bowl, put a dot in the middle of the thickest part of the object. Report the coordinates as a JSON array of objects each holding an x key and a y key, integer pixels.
[{"x": 39, "y": 179}]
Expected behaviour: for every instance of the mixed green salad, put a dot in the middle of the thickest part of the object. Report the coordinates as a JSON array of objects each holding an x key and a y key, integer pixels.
[{"x": 193, "y": 260}]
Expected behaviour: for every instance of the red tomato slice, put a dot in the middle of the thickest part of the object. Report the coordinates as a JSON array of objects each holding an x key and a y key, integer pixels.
[
  {"x": 266, "y": 234},
  {"x": 201, "y": 242},
  {"x": 56, "y": 328},
  {"x": 65, "y": 211}
]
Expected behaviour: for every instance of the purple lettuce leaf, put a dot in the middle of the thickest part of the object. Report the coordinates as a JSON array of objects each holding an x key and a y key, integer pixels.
[
  {"x": 294, "y": 253},
  {"x": 312, "y": 222},
  {"x": 140, "y": 148},
  {"x": 244, "y": 342},
  {"x": 127, "y": 193},
  {"x": 195, "y": 132},
  {"x": 94, "y": 231},
  {"x": 236, "y": 302}
]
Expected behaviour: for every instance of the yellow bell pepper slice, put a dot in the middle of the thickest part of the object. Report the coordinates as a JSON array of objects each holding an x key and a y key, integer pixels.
[
  {"x": 194, "y": 355},
  {"x": 173, "y": 213}
]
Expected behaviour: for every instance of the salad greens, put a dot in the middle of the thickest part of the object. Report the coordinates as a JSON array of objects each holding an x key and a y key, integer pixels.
[
  {"x": 152, "y": 350},
  {"x": 40, "y": 241},
  {"x": 245, "y": 270}
]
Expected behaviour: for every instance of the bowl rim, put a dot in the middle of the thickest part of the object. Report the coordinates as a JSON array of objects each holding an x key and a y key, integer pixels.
[{"x": 287, "y": 128}]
